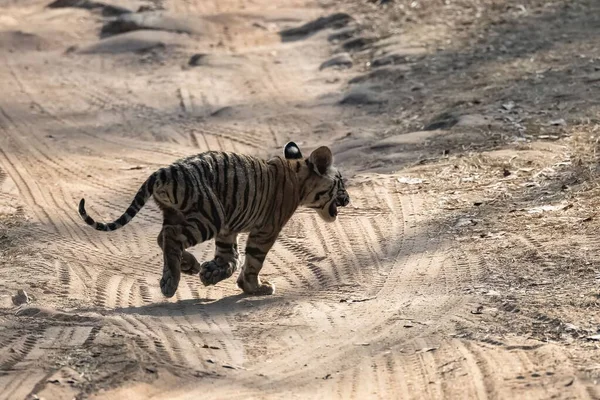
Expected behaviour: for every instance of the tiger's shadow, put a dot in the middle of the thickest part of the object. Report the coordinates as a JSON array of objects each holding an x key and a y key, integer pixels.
[{"x": 233, "y": 304}]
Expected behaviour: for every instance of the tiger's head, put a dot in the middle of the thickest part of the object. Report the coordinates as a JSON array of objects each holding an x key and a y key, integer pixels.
[{"x": 322, "y": 185}]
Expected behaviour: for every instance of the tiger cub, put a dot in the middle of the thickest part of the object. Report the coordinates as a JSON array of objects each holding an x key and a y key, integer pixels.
[{"x": 218, "y": 195}]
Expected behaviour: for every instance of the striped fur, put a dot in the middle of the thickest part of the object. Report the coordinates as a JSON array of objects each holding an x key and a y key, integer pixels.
[{"x": 216, "y": 195}]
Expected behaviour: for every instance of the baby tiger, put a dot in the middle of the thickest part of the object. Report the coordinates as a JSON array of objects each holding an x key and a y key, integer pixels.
[{"x": 218, "y": 195}]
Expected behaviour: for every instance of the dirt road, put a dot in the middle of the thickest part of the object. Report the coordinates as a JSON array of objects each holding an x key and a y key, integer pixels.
[{"x": 375, "y": 305}]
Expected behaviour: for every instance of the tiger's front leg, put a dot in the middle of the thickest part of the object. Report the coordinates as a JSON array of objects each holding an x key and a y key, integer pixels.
[
  {"x": 225, "y": 262},
  {"x": 259, "y": 244}
]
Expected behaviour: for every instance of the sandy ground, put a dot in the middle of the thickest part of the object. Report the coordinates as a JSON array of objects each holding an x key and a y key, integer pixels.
[{"x": 464, "y": 268}]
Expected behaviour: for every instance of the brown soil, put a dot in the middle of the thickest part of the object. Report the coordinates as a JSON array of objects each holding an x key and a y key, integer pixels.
[{"x": 465, "y": 266}]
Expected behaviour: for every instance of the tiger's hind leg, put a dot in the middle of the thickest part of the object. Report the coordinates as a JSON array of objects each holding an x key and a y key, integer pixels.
[
  {"x": 224, "y": 264},
  {"x": 259, "y": 244},
  {"x": 189, "y": 264},
  {"x": 170, "y": 241},
  {"x": 177, "y": 235}
]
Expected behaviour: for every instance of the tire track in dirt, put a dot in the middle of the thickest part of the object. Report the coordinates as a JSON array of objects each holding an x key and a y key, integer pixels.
[
  {"x": 381, "y": 253},
  {"x": 63, "y": 225},
  {"x": 370, "y": 322},
  {"x": 212, "y": 138}
]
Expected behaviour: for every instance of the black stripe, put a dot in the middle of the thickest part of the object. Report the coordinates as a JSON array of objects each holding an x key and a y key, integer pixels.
[
  {"x": 202, "y": 194},
  {"x": 131, "y": 212},
  {"x": 267, "y": 196},
  {"x": 139, "y": 199},
  {"x": 237, "y": 218},
  {"x": 208, "y": 171},
  {"x": 237, "y": 164},
  {"x": 282, "y": 212},
  {"x": 318, "y": 195},
  {"x": 149, "y": 186},
  {"x": 89, "y": 220},
  {"x": 216, "y": 172},
  {"x": 111, "y": 227},
  {"x": 200, "y": 226},
  {"x": 174, "y": 171},
  {"x": 162, "y": 175},
  {"x": 122, "y": 220},
  {"x": 256, "y": 253},
  {"x": 279, "y": 196},
  {"x": 225, "y": 186},
  {"x": 187, "y": 184},
  {"x": 245, "y": 207},
  {"x": 190, "y": 237},
  {"x": 259, "y": 192},
  {"x": 223, "y": 245}
]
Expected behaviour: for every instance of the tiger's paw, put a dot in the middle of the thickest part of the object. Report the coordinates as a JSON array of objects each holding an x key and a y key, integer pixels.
[
  {"x": 263, "y": 289},
  {"x": 189, "y": 264},
  {"x": 168, "y": 285},
  {"x": 214, "y": 271}
]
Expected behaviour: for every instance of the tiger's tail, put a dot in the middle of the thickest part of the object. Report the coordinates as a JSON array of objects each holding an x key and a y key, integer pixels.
[{"x": 136, "y": 205}]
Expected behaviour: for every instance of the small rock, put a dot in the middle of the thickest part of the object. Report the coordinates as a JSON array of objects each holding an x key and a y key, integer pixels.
[
  {"x": 359, "y": 42},
  {"x": 196, "y": 59},
  {"x": 571, "y": 327},
  {"x": 337, "y": 20},
  {"x": 445, "y": 120},
  {"x": 107, "y": 9},
  {"x": 343, "y": 34},
  {"x": 465, "y": 222},
  {"x": 478, "y": 310},
  {"x": 410, "y": 181},
  {"x": 398, "y": 56},
  {"x": 594, "y": 337},
  {"x": 328, "y": 376},
  {"x": 508, "y": 106},
  {"x": 392, "y": 73},
  {"x": 360, "y": 96},
  {"x": 558, "y": 122},
  {"x": 229, "y": 366},
  {"x": 20, "y": 298},
  {"x": 342, "y": 60},
  {"x": 568, "y": 382},
  {"x": 426, "y": 350}
]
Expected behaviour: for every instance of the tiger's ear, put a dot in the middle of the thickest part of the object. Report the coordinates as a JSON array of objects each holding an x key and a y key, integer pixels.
[
  {"x": 322, "y": 159},
  {"x": 291, "y": 151}
]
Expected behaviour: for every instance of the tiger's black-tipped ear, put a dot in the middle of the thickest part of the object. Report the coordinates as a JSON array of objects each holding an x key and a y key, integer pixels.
[
  {"x": 321, "y": 159},
  {"x": 292, "y": 152}
]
